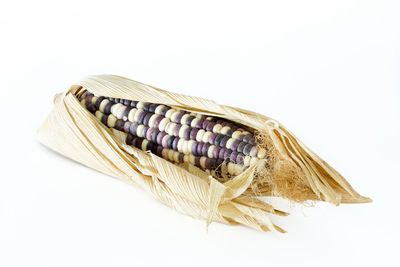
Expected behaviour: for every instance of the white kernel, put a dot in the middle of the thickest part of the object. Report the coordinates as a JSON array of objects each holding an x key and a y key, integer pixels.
[
  {"x": 111, "y": 121},
  {"x": 159, "y": 108},
  {"x": 103, "y": 104},
  {"x": 184, "y": 118},
  {"x": 131, "y": 115},
  {"x": 120, "y": 112},
  {"x": 190, "y": 145},
  {"x": 171, "y": 128},
  {"x": 182, "y": 131},
  {"x": 199, "y": 136},
  {"x": 144, "y": 144},
  {"x": 171, "y": 154},
  {"x": 169, "y": 113},
  {"x": 139, "y": 130},
  {"x": 167, "y": 126},
  {"x": 99, "y": 115},
  {"x": 140, "y": 105},
  {"x": 114, "y": 108},
  {"x": 229, "y": 143},
  {"x": 163, "y": 123},
  {"x": 210, "y": 152},
  {"x": 236, "y": 134},
  {"x": 203, "y": 162},
  {"x": 94, "y": 99},
  {"x": 176, "y": 156},
  {"x": 217, "y": 128},
  {"x": 206, "y": 137},
  {"x": 185, "y": 147},
  {"x": 152, "y": 119},
  {"x": 225, "y": 129},
  {"x": 194, "y": 122},
  {"x": 174, "y": 115},
  {"x": 180, "y": 145},
  {"x": 137, "y": 114}
]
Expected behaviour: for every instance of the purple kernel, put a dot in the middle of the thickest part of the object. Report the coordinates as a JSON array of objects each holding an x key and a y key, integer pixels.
[
  {"x": 210, "y": 126},
  {"x": 179, "y": 117},
  {"x": 247, "y": 148},
  {"x": 147, "y": 118},
  {"x": 227, "y": 154},
  {"x": 170, "y": 141},
  {"x": 197, "y": 162},
  {"x": 200, "y": 148},
  {"x": 186, "y": 134},
  {"x": 176, "y": 129},
  {"x": 224, "y": 141},
  {"x": 235, "y": 145},
  {"x": 240, "y": 159},
  {"x": 181, "y": 155},
  {"x": 233, "y": 156},
  {"x": 199, "y": 123},
  {"x": 164, "y": 141},
  {"x": 160, "y": 136},
  {"x": 149, "y": 133},
  {"x": 221, "y": 153},
  {"x": 241, "y": 146},
  {"x": 194, "y": 148},
  {"x": 247, "y": 137},
  {"x": 129, "y": 139},
  {"x": 159, "y": 151},
  {"x": 205, "y": 124},
  {"x": 175, "y": 143},
  {"x": 127, "y": 125},
  {"x": 152, "y": 108},
  {"x": 193, "y": 133},
  {"x": 132, "y": 128},
  {"x": 157, "y": 121},
  {"x": 212, "y": 138},
  {"x": 204, "y": 149},
  {"x": 216, "y": 152}
]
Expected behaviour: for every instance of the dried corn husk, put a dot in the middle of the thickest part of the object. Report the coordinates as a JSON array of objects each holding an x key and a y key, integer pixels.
[{"x": 294, "y": 172}]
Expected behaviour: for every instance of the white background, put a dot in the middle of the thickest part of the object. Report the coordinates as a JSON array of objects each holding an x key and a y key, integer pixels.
[{"x": 329, "y": 70}]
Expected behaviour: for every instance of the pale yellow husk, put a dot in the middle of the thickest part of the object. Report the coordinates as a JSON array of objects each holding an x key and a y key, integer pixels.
[{"x": 294, "y": 171}]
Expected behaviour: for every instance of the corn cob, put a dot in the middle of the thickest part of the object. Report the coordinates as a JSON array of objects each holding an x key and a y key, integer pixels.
[
  {"x": 247, "y": 154},
  {"x": 219, "y": 147}
]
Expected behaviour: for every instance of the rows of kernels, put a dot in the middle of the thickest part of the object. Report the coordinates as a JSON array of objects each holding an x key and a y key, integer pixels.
[
  {"x": 136, "y": 119},
  {"x": 185, "y": 118},
  {"x": 168, "y": 141},
  {"x": 183, "y": 131},
  {"x": 156, "y": 119},
  {"x": 175, "y": 156}
]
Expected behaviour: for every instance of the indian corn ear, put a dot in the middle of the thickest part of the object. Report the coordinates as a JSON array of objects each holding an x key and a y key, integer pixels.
[{"x": 203, "y": 159}]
